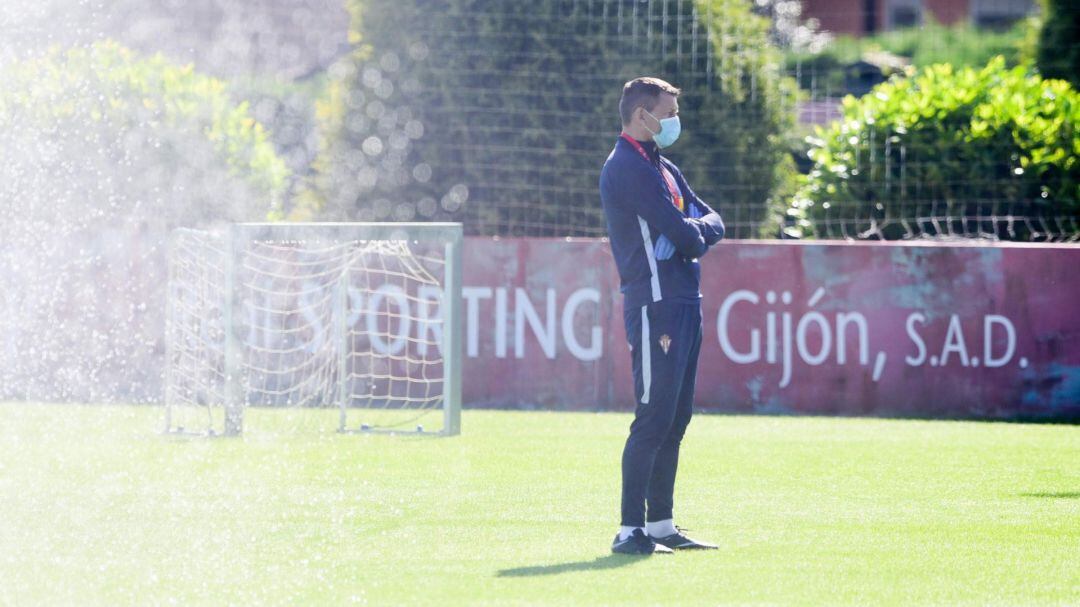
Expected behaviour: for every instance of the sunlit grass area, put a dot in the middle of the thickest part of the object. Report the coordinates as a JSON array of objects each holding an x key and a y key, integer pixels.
[{"x": 97, "y": 507}]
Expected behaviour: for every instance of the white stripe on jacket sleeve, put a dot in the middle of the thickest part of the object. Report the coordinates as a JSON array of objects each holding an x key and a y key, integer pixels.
[{"x": 649, "y": 253}]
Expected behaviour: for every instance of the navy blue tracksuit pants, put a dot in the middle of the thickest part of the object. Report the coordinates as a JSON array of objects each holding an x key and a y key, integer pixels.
[{"x": 665, "y": 339}]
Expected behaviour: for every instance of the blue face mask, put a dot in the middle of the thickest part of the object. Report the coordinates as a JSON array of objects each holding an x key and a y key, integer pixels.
[{"x": 669, "y": 130}]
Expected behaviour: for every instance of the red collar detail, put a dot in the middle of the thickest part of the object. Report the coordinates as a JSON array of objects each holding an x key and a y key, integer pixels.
[
  {"x": 669, "y": 181},
  {"x": 637, "y": 146}
]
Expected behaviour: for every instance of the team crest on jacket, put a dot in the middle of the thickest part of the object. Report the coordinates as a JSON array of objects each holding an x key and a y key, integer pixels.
[{"x": 665, "y": 343}]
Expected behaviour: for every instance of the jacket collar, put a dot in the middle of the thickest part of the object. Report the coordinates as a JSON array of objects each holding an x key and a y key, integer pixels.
[{"x": 650, "y": 148}]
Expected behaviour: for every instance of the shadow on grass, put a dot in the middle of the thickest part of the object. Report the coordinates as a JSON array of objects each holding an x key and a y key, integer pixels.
[
  {"x": 1066, "y": 495},
  {"x": 610, "y": 561}
]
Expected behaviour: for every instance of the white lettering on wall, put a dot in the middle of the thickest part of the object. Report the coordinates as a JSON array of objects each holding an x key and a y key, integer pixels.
[
  {"x": 500, "y": 322},
  {"x": 595, "y": 348},
  {"x": 472, "y": 297},
  {"x": 544, "y": 331},
  {"x": 954, "y": 342},
  {"x": 754, "y": 353},
  {"x": 826, "y": 338},
  {"x": 387, "y": 293},
  {"x": 913, "y": 334},
  {"x": 989, "y": 321},
  {"x": 429, "y": 318},
  {"x": 843, "y": 319},
  {"x": 779, "y": 334},
  {"x": 770, "y": 331}
]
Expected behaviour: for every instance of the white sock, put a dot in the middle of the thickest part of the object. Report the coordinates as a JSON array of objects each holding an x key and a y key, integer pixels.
[
  {"x": 625, "y": 532},
  {"x": 660, "y": 528}
]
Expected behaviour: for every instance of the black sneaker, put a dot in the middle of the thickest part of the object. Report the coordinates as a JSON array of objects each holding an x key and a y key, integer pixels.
[
  {"x": 638, "y": 543},
  {"x": 679, "y": 541}
]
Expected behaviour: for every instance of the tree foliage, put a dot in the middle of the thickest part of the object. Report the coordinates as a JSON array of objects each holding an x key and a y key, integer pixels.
[
  {"x": 501, "y": 115},
  {"x": 181, "y": 147},
  {"x": 1058, "y": 54},
  {"x": 102, "y": 152},
  {"x": 948, "y": 143}
]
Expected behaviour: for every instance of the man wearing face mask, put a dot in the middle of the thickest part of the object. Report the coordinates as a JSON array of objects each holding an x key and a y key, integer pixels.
[{"x": 658, "y": 228}]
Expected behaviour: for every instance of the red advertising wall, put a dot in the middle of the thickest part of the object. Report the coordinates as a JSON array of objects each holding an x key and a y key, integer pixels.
[{"x": 789, "y": 327}]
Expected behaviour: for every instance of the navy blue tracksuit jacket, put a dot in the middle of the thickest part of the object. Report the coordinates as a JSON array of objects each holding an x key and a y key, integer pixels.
[{"x": 662, "y": 314}]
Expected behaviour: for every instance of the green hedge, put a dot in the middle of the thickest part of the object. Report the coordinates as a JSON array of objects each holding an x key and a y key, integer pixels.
[
  {"x": 1059, "y": 41},
  {"x": 102, "y": 132},
  {"x": 947, "y": 142},
  {"x": 501, "y": 116}
]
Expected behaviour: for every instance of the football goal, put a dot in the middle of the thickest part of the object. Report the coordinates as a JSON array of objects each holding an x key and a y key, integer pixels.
[{"x": 355, "y": 321}]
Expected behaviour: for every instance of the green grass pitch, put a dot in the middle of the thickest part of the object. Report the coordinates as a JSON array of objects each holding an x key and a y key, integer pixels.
[{"x": 96, "y": 507}]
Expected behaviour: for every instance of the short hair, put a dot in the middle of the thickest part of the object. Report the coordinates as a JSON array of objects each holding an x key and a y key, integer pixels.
[{"x": 643, "y": 92}]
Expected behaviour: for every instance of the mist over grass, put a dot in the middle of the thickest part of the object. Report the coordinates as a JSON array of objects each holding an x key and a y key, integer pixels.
[{"x": 98, "y": 508}]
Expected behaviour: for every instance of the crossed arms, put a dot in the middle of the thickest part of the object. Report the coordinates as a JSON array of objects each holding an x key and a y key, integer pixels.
[{"x": 690, "y": 235}]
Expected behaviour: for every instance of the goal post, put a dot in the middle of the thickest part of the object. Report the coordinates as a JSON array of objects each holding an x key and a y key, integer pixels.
[{"x": 362, "y": 317}]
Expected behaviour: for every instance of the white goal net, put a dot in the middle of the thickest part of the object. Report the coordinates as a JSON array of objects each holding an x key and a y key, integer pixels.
[{"x": 359, "y": 322}]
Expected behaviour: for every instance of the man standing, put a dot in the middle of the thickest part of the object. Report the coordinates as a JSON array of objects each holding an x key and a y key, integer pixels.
[{"x": 658, "y": 229}]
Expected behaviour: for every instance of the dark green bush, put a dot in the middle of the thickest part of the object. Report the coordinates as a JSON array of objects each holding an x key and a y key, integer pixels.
[
  {"x": 947, "y": 143},
  {"x": 1059, "y": 41},
  {"x": 501, "y": 114}
]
